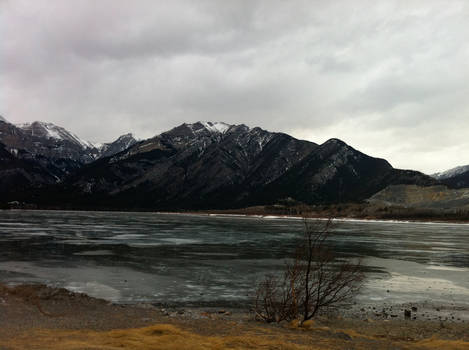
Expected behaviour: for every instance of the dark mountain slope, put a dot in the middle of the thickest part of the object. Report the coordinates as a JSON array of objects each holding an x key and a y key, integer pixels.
[
  {"x": 336, "y": 172},
  {"x": 196, "y": 165},
  {"x": 457, "y": 181},
  {"x": 120, "y": 144},
  {"x": 56, "y": 149},
  {"x": 19, "y": 175},
  {"x": 53, "y": 147},
  {"x": 216, "y": 165},
  {"x": 454, "y": 178}
]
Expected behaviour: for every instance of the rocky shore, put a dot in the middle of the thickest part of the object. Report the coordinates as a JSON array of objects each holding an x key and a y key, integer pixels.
[{"x": 39, "y": 317}]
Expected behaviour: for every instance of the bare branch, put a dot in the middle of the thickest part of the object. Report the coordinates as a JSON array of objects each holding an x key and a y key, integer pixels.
[{"x": 313, "y": 280}]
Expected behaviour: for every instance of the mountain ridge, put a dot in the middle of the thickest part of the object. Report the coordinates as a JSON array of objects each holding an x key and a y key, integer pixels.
[
  {"x": 59, "y": 151},
  {"x": 206, "y": 165},
  {"x": 194, "y": 166}
]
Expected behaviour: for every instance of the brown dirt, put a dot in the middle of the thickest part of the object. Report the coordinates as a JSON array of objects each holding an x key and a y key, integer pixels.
[{"x": 38, "y": 317}]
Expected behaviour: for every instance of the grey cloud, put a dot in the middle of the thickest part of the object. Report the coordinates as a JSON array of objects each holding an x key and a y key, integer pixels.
[{"x": 378, "y": 74}]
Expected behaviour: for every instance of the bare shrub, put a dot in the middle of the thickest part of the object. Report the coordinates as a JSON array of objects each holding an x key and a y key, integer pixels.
[{"x": 313, "y": 280}]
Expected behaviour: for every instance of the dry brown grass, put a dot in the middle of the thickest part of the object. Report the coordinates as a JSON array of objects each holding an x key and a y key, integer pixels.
[
  {"x": 170, "y": 337},
  {"x": 163, "y": 336}
]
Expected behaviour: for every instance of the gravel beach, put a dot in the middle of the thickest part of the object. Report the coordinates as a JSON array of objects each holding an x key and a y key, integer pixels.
[{"x": 31, "y": 316}]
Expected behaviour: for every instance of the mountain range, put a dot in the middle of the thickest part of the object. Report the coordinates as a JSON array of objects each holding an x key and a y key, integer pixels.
[
  {"x": 54, "y": 148},
  {"x": 203, "y": 165}
]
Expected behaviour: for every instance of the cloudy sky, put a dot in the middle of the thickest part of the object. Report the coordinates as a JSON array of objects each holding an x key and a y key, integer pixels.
[{"x": 391, "y": 78}]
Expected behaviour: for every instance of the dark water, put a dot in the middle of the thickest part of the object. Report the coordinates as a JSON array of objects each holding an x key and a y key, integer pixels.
[{"x": 163, "y": 258}]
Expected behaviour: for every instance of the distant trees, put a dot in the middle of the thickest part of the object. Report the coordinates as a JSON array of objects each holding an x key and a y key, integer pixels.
[{"x": 314, "y": 279}]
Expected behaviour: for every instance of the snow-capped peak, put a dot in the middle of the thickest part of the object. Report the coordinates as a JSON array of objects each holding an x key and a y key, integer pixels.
[
  {"x": 3, "y": 119},
  {"x": 451, "y": 172},
  {"x": 52, "y": 131},
  {"x": 217, "y": 127}
]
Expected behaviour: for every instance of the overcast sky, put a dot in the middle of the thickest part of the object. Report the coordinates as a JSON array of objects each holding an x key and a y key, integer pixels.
[{"x": 391, "y": 78}]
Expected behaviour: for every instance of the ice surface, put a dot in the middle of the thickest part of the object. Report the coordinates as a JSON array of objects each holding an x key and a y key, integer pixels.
[{"x": 132, "y": 257}]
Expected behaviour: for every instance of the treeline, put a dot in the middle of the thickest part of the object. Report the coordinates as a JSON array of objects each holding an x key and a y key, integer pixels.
[{"x": 353, "y": 210}]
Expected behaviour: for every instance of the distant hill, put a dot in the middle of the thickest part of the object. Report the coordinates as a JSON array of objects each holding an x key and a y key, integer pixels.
[{"x": 412, "y": 196}]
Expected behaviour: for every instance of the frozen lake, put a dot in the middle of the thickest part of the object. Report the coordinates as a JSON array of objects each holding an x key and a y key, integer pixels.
[{"x": 217, "y": 260}]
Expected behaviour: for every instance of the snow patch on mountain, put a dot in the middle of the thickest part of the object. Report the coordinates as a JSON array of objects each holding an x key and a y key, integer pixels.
[
  {"x": 52, "y": 131},
  {"x": 3, "y": 119},
  {"x": 217, "y": 127},
  {"x": 451, "y": 172}
]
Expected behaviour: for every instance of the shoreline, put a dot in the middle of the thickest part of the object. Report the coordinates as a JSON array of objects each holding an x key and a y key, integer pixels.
[
  {"x": 230, "y": 213},
  {"x": 422, "y": 310},
  {"x": 37, "y": 316},
  {"x": 324, "y": 218}
]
